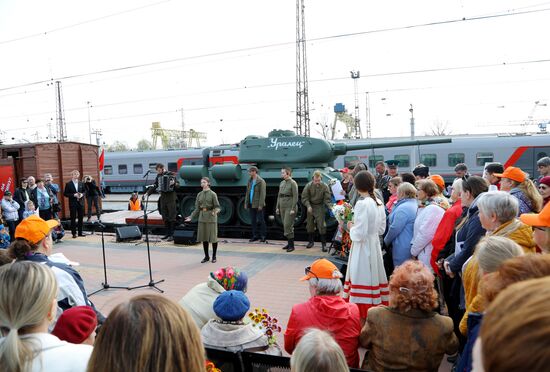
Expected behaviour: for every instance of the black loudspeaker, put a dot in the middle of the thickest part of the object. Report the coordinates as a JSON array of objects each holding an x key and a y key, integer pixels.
[
  {"x": 340, "y": 264},
  {"x": 127, "y": 233},
  {"x": 187, "y": 237}
]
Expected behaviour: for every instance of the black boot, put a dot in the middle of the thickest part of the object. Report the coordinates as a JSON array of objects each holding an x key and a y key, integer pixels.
[
  {"x": 171, "y": 227},
  {"x": 286, "y": 245},
  {"x": 206, "y": 257},
  {"x": 323, "y": 243},
  {"x": 290, "y": 245},
  {"x": 214, "y": 249},
  {"x": 311, "y": 240},
  {"x": 168, "y": 229}
]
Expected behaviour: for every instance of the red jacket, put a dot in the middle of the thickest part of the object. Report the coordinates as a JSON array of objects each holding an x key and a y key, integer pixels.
[
  {"x": 444, "y": 231},
  {"x": 328, "y": 313}
]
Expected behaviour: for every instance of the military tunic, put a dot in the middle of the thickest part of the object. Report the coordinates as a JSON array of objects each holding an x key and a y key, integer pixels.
[
  {"x": 316, "y": 196},
  {"x": 286, "y": 203},
  {"x": 207, "y": 208}
]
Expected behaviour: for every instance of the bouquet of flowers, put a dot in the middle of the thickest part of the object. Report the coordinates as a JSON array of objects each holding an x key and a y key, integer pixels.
[
  {"x": 211, "y": 367},
  {"x": 269, "y": 325},
  {"x": 343, "y": 212}
]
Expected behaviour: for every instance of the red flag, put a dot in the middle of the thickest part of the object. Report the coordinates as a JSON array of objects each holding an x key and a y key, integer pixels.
[{"x": 101, "y": 159}]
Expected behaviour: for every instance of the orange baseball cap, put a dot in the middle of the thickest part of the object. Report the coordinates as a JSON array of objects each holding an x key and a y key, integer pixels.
[
  {"x": 541, "y": 219},
  {"x": 34, "y": 228},
  {"x": 438, "y": 180},
  {"x": 512, "y": 173},
  {"x": 321, "y": 269}
]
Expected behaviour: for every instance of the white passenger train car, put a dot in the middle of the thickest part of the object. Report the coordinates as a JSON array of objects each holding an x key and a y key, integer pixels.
[{"x": 521, "y": 151}]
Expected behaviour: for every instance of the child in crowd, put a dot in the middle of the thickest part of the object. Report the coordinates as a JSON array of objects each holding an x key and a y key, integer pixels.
[
  {"x": 30, "y": 209},
  {"x": 58, "y": 232},
  {"x": 4, "y": 237},
  {"x": 77, "y": 325}
]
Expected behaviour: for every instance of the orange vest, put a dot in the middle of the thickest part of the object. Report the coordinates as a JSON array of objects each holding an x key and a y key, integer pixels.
[{"x": 135, "y": 205}]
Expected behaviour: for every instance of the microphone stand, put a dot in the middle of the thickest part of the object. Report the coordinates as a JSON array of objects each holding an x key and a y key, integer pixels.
[
  {"x": 105, "y": 285},
  {"x": 152, "y": 283}
]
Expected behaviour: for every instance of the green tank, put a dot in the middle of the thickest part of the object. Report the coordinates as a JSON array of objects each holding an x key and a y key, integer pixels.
[{"x": 281, "y": 148}]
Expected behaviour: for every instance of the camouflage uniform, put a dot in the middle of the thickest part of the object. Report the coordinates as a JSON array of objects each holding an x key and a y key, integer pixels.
[
  {"x": 316, "y": 197},
  {"x": 286, "y": 203}
]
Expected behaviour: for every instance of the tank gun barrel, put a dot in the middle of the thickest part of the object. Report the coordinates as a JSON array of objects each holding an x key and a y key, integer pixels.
[{"x": 343, "y": 148}]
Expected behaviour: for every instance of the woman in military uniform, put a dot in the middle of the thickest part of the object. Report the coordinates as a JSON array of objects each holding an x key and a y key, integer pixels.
[{"x": 207, "y": 208}]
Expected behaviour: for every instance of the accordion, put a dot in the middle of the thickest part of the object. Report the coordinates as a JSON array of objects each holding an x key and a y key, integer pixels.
[{"x": 166, "y": 183}]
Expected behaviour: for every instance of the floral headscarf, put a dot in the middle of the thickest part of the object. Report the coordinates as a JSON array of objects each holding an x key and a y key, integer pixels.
[{"x": 231, "y": 278}]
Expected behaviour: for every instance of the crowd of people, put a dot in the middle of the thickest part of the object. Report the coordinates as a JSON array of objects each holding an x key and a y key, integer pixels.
[
  {"x": 42, "y": 197},
  {"x": 464, "y": 274}
]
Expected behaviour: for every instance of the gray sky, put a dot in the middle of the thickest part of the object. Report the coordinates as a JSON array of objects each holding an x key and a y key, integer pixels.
[{"x": 231, "y": 65}]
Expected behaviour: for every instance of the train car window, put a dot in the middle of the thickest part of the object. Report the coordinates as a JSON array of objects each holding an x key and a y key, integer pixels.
[
  {"x": 191, "y": 161},
  {"x": 152, "y": 167},
  {"x": 172, "y": 167},
  {"x": 138, "y": 169},
  {"x": 373, "y": 159},
  {"x": 429, "y": 160},
  {"x": 484, "y": 157},
  {"x": 403, "y": 160},
  {"x": 122, "y": 169},
  {"x": 541, "y": 155},
  {"x": 455, "y": 158},
  {"x": 350, "y": 161},
  {"x": 108, "y": 170}
]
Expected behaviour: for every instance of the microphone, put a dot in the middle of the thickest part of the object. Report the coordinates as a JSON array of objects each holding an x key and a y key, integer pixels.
[{"x": 146, "y": 173}]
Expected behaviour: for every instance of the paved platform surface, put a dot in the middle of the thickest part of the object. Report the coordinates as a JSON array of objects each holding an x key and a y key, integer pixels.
[{"x": 273, "y": 273}]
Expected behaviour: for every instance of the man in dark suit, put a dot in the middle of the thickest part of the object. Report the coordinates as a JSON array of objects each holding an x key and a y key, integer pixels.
[{"x": 74, "y": 191}]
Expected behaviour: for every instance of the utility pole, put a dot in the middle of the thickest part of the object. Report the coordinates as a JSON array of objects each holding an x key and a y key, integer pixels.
[
  {"x": 413, "y": 161},
  {"x": 367, "y": 111},
  {"x": 411, "y": 110},
  {"x": 355, "y": 75},
  {"x": 98, "y": 134},
  {"x": 60, "y": 113},
  {"x": 89, "y": 123},
  {"x": 302, "y": 99}
]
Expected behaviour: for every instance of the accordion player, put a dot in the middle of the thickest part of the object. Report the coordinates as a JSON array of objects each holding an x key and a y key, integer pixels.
[{"x": 166, "y": 183}]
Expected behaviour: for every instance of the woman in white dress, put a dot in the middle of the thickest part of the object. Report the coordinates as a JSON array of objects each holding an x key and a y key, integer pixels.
[{"x": 366, "y": 283}]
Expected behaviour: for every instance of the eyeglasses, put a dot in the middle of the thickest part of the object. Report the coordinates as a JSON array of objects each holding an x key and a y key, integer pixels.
[{"x": 308, "y": 271}]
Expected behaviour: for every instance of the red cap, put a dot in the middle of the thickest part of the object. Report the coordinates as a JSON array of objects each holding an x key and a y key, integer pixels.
[{"x": 76, "y": 324}]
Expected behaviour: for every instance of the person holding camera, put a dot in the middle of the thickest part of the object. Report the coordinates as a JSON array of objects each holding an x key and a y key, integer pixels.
[{"x": 92, "y": 197}]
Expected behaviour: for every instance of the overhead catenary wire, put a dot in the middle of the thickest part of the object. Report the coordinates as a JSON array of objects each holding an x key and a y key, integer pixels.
[{"x": 289, "y": 43}]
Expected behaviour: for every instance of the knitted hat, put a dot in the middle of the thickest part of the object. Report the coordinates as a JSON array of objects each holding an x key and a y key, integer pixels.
[
  {"x": 34, "y": 229},
  {"x": 439, "y": 181},
  {"x": 231, "y": 278},
  {"x": 421, "y": 171},
  {"x": 545, "y": 180},
  {"x": 75, "y": 324},
  {"x": 231, "y": 305}
]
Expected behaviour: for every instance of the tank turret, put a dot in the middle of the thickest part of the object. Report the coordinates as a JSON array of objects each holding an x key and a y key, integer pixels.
[{"x": 269, "y": 154}]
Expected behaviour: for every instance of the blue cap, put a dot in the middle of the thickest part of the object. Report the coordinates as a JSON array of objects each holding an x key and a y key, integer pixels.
[{"x": 231, "y": 305}]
